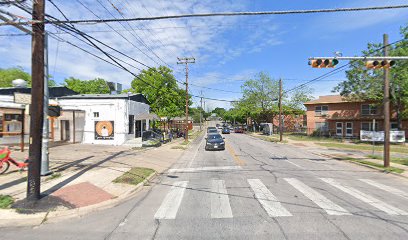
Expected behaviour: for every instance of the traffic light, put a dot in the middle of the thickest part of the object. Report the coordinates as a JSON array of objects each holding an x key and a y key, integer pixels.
[
  {"x": 379, "y": 64},
  {"x": 324, "y": 63}
]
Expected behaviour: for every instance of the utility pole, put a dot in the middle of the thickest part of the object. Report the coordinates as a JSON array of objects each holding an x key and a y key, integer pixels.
[
  {"x": 386, "y": 106},
  {"x": 37, "y": 101},
  {"x": 201, "y": 111},
  {"x": 280, "y": 110},
  {"x": 45, "y": 166},
  {"x": 186, "y": 61}
]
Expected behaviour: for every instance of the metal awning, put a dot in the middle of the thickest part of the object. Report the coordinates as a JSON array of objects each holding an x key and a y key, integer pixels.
[{"x": 147, "y": 116}]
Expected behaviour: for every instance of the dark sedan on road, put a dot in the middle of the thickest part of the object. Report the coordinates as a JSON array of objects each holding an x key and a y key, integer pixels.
[
  {"x": 214, "y": 141},
  {"x": 212, "y": 130},
  {"x": 225, "y": 131}
]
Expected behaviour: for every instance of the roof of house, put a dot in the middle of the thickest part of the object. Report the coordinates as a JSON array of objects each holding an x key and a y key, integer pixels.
[
  {"x": 138, "y": 97},
  {"x": 327, "y": 99},
  {"x": 53, "y": 91}
]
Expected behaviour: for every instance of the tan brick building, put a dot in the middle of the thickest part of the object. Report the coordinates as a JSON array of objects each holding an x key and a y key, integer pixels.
[{"x": 334, "y": 115}]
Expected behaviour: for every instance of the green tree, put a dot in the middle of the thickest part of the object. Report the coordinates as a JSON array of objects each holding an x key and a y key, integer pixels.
[
  {"x": 298, "y": 97},
  {"x": 94, "y": 86},
  {"x": 164, "y": 95},
  {"x": 219, "y": 111},
  {"x": 259, "y": 98},
  {"x": 9, "y": 74},
  {"x": 367, "y": 84}
]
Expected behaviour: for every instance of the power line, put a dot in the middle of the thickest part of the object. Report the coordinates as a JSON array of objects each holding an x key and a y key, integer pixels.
[
  {"x": 121, "y": 35},
  {"x": 116, "y": 64},
  {"x": 286, "y": 12},
  {"x": 334, "y": 71},
  {"x": 133, "y": 33},
  {"x": 215, "y": 89}
]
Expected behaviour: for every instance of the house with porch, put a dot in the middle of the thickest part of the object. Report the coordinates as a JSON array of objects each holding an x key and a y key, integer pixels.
[{"x": 334, "y": 115}]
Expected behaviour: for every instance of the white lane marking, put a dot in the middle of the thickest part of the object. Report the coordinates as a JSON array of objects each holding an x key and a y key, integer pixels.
[
  {"x": 203, "y": 169},
  {"x": 294, "y": 164},
  {"x": 195, "y": 154},
  {"x": 386, "y": 188},
  {"x": 268, "y": 201},
  {"x": 172, "y": 201},
  {"x": 220, "y": 205},
  {"x": 330, "y": 207},
  {"x": 366, "y": 198}
]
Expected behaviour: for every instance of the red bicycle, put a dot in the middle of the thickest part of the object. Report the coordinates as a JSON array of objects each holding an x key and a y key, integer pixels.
[{"x": 5, "y": 161}]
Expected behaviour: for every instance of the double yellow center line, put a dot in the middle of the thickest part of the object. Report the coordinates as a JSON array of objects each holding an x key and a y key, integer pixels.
[{"x": 231, "y": 151}]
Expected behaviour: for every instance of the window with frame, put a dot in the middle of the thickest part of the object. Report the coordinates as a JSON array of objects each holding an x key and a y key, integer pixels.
[
  {"x": 321, "y": 126},
  {"x": 321, "y": 110},
  {"x": 349, "y": 129},
  {"x": 339, "y": 128},
  {"x": 394, "y": 126},
  {"x": 131, "y": 124},
  {"x": 368, "y": 109},
  {"x": 368, "y": 126},
  {"x": 96, "y": 114}
]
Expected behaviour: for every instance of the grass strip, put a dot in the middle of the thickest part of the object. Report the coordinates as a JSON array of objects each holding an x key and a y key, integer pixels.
[
  {"x": 6, "y": 201},
  {"x": 373, "y": 164},
  {"x": 134, "y": 176},
  {"x": 361, "y": 146}
]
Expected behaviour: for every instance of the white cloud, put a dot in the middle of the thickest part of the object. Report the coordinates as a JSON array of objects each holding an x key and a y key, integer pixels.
[{"x": 204, "y": 38}]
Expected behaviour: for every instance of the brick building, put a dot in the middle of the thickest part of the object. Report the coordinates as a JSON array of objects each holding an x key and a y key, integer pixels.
[{"x": 334, "y": 115}]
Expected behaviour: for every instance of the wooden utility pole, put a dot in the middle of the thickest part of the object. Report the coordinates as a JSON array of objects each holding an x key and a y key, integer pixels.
[
  {"x": 386, "y": 106},
  {"x": 37, "y": 101},
  {"x": 201, "y": 111},
  {"x": 280, "y": 111},
  {"x": 186, "y": 61}
]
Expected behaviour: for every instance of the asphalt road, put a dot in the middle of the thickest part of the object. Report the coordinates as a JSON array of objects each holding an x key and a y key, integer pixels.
[{"x": 252, "y": 190}]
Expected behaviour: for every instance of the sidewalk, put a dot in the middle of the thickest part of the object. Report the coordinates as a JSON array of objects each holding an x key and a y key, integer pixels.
[
  {"x": 82, "y": 180},
  {"x": 339, "y": 154}
]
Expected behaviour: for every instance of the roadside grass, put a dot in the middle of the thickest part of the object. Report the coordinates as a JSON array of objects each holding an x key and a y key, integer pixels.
[
  {"x": 373, "y": 164},
  {"x": 364, "y": 146},
  {"x": 273, "y": 138},
  {"x": 402, "y": 161},
  {"x": 54, "y": 176},
  {"x": 313, "y": 139},
  {"x": 134, "y": 176},
  {"x": 6, "y": 201}
]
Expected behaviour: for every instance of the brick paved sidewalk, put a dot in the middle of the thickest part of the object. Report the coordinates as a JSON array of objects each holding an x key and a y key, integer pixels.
[{"x": 83, "y": 175}]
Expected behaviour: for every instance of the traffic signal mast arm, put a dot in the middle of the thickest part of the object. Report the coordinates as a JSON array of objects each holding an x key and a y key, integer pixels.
[
  {"x": 371, "y": 62},
  {"x": 361, "y": 58}
]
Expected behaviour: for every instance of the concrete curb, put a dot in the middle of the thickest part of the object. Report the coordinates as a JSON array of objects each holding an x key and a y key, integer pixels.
[{"x": 10, "y": 217}]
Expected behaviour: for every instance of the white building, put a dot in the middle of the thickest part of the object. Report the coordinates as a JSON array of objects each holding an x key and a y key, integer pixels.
[{"x": 109, "y": 119}]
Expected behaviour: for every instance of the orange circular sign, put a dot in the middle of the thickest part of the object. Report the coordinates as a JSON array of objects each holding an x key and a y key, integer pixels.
[{"x": 104, "y": 128}]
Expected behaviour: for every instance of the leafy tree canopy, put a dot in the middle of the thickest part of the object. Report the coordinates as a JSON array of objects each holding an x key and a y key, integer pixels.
[
  {"x": 367, "y": 84},
  {"x": 166, "y": 98},
  {"x": 94, "y": 86},
  {"x": 9, "y": 74}
]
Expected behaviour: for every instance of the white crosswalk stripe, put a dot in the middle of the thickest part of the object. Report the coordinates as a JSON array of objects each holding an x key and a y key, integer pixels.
[
  {"x": 330, "y": 207},
  {"x": 220, "y": 205},
  {"x": 172, "y": 201},
  {"x": 386, "y": 188},
  {"x": 365, "y": 198},
  {"x": 268, "y": 201}
]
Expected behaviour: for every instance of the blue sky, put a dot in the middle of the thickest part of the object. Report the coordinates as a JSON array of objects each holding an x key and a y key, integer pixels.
[{"x": 228, "y": 50}]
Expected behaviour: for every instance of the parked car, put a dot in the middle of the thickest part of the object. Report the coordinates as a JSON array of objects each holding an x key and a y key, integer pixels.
[
  {"x": 214, "y": 141},
  {"x": 239, "y": 130},
  {"x": 225, "y": 131},
  {"x": 212, "y": 130}
]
